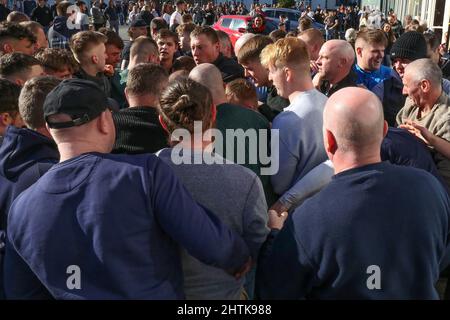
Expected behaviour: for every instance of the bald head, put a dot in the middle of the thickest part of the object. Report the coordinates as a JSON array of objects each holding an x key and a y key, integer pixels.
[
  {"x": 355, "y": 118},
  {"x": 208, "y": 75},
  {"x": 335, "y": 60},
  {"x": 342, "y": 49}
]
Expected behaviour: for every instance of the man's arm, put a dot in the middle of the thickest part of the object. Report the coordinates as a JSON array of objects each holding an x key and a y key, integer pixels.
[
  {"x": 19, "y": 281},
  {"x": 255, "y": 218},
  {"x": 281, "y": 181},
  {"x": 440, "y": 145},
  {"x": 304, "y": 188},
  {"x": 287, "y": 157},
  {"x": 280, "y": 272}
]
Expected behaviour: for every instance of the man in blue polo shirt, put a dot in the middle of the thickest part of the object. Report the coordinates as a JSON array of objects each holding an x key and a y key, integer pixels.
[
  {"x": 102, "y": 226},
  {"x": 377, "y": 231}
]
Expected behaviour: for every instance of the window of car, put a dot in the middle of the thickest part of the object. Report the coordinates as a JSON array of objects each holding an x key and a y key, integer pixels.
[
  {"x": 270, "y": 13},
  {"x": 292, "y": 16},
  {"x": 238, "y": 23},
  {"x": 226, "y": 22}
]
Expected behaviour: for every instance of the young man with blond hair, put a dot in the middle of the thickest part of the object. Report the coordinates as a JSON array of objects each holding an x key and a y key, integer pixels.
[{"x": 300, "y": 124}]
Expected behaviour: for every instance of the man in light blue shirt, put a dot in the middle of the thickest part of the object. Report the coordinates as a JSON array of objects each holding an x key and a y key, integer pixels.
[{"x": 300, "y": 124}]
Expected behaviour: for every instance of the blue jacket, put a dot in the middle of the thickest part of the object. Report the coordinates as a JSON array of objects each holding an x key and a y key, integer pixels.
[
  {"x": 119, "y": 220},
  {"x": 25, "y": 156},
  {"x": 375, "y": 232}
]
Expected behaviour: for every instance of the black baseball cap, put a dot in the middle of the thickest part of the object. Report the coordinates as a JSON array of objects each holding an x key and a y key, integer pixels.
[{"x": 83, "y": 100}]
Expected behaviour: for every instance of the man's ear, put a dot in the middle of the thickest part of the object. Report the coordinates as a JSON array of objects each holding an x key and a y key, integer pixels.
[
  {"x": 358, "y": 51},
  {"x": 288, "y": 74},
  {"x": 385, "y": 128},
  {"x": 7, "y": 48},
  {"x": 425, "y": 85},
  {"x": 102, "y": 122},
  {"x": 330, "y": 142},
  {"x": 19, "y": 82},
  {"x": 94, "y": 59},
  {"x": 5, "y": 119},
  {"x": 217, "y": 45},
  {"x": 126, "y": 95}
]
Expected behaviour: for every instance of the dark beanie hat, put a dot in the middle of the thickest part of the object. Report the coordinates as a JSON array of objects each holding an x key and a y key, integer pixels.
[{"x": 411, "y": 45}]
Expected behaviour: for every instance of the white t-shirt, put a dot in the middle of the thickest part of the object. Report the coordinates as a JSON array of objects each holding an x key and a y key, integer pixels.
[
  {"x": 166, "y": 17},
  {"x": 175, "y": 18}
]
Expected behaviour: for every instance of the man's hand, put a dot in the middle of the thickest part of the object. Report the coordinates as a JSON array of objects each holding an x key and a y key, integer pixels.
[
  {"x": 419, "y": 131},
  {"x": 276, "y": 220},
  {"x": 318, "y": 80},
  {"x": 109, "y": 70},
  {"x": 314, "y": 67},
  {"x": 278, "y": 207},
  {"x": 244, "y": 269}
]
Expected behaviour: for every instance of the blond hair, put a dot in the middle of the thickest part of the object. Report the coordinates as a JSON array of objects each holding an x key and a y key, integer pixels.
[{"x": 287, "y": 52}]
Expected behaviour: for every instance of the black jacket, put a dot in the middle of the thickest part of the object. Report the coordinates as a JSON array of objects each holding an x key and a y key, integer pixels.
[{"x": 138, "y": 131}]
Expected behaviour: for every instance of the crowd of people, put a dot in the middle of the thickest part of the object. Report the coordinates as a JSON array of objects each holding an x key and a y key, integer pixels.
[{"x": 175, "y": 164}]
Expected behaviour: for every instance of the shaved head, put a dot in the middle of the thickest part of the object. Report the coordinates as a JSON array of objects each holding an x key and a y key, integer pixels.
[
  {"x": 355, "y": 118},
  {"x": 341, "y": 48},
  {"x": 208, "y": 75},
  {"x": 335, "y": 60}
]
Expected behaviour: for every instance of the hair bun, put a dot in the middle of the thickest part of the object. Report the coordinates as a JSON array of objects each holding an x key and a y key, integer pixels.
[{"x": 185, "y": 103}]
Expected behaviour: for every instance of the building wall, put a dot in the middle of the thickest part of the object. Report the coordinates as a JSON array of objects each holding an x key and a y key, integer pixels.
[{"x": 435, "y": 12}]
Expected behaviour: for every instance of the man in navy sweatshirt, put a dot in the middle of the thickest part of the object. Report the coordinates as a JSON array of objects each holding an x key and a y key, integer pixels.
[
  {"x": 27, "y": 153},
  {"x": 377, "y": 231},
  {"x": 102, "y": 226}
]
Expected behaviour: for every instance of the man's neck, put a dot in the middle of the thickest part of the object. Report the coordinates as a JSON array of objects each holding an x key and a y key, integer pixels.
[
  {"x": 367, "y": 69},
  {"x": 167, "y": 64},
  {"x": 429, "y": 103},
  {"x": 90, "y": 70},
  {"x": 203, "y": 145},
  {"x": 220, "y": 99},
  {"x": 344, "y": 162},
  {"x": 72, "y": 150},
  {"x": 300, "y": 88},
  {"x": 142, "y": 101}
]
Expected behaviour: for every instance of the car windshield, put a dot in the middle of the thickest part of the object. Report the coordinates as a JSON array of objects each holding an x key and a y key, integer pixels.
[
  {"x": 292, "y": 16},
  {"x": 238, "y": 23}
]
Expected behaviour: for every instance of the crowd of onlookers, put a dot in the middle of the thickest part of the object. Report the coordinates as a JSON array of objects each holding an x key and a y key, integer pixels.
[{"x": 337, "y": 186}]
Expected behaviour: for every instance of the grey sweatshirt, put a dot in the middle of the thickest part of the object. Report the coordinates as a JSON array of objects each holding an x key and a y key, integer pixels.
[{"x": 235, "y": 194}]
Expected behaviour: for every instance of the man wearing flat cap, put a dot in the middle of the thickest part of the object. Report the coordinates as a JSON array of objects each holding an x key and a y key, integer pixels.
[{"x": 102, "y": 226}]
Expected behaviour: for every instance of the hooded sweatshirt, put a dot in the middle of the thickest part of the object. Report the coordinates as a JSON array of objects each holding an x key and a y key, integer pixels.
[{"x": 25, "y": 156}]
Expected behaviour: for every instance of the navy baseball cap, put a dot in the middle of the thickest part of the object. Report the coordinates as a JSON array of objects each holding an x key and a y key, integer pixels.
[{"x": 82, "y": 100}]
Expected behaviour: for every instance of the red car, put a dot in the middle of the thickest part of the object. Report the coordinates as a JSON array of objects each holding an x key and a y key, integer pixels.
[{"x": 235, "y": 26}]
